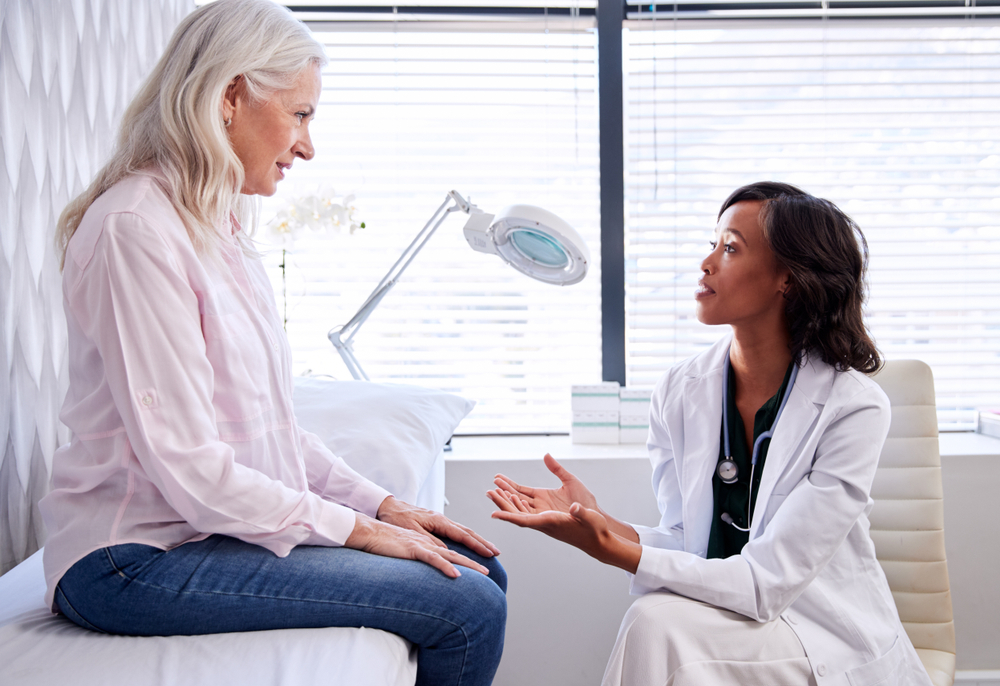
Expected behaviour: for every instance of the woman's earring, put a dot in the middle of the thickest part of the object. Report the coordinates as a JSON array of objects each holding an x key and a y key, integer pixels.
[{"x": 228, "y": 122}]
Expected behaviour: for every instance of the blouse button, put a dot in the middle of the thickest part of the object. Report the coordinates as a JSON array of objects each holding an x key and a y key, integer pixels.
[
  {"x": 821, "y": 669},
  {"x": 147, "y": 400}
]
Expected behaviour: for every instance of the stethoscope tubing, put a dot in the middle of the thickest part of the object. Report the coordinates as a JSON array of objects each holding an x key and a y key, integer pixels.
[{"x": 756, "y": 444}]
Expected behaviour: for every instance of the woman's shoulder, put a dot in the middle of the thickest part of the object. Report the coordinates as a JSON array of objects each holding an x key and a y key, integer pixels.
[
  {"x": 707, "y": 362},
  {"x": 841, "y": 389},
  {"x": 137, "y": 203},
  {"x": 705, "y": 366}
]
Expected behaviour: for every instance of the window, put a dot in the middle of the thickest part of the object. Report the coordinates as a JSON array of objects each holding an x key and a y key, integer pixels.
[
  {"x": 503, "y": 111},
  {"x": 896, "y": 121}
]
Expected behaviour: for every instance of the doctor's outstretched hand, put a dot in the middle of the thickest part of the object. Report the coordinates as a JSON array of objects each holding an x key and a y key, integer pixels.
[
  {"x": 569, "y": 514},
  {"x": 537, "y": 500}
]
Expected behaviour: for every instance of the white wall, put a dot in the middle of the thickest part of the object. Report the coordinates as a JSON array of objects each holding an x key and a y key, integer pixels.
[
  {"x": 67, "y": 72},
  {"x": 564, "y": 608}
]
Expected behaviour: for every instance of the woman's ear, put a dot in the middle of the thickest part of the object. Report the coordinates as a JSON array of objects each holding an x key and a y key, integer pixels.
[{"x": 232, "y": 95}]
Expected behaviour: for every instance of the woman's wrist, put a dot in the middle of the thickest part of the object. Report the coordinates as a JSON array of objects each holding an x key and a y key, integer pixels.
[
  {"x": 386, "y": 506},
  {"x": 617, "y": 526},
  {"x": 623, "y": 553}
]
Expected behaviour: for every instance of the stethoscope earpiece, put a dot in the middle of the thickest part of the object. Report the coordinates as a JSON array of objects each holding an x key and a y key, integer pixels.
[{"x": 728, "y": 471}]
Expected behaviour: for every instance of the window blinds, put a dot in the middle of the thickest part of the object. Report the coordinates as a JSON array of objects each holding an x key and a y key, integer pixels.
[
  {"x": 896, "y": 121},
  {"x": 503, "y": 113}
]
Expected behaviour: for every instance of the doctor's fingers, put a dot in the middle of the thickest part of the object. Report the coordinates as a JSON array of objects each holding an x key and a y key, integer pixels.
[
  {"x": 508, "y": 484},
  {"x": 502, "y": 500},
  {"x": 558, "y": 470},
  {"x": 542, "y": 521},
  {"x": 519, "y": 499}
]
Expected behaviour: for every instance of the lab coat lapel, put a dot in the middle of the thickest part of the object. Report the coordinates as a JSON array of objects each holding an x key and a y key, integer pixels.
[
  {"x": 800, "y": 413},
  {"x": 702, "y": 403}
]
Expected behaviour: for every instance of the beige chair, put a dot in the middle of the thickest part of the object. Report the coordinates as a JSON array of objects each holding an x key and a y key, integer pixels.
[{"x": 907, "y": 521}]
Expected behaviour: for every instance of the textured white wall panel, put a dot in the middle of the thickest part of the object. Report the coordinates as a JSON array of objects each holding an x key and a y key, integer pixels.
[{"x": 67, "y": 71}]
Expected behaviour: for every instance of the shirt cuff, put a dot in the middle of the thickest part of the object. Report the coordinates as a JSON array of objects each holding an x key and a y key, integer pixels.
[
  {"x": 333, "y": 527},
  {"x": 367, "y": 498},
  {"x": 645, "y": 579},
  {"x": 656, "y": 538}
]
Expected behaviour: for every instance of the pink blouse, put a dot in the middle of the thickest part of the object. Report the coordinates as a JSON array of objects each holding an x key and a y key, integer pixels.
[{"x": 180, "y": 398}]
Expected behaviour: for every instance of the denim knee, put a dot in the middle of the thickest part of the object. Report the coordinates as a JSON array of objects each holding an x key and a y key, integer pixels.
[
  {"x": 486, "y": 615},
  {"x": 497, "y": 573}
]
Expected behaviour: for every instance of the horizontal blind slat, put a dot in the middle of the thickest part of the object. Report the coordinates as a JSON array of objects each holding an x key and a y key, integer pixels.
[{"x": 896, "y": 122}]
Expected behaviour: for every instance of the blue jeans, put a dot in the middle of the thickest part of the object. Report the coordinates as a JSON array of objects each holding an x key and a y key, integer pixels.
[{"x": 222, "y": 584}]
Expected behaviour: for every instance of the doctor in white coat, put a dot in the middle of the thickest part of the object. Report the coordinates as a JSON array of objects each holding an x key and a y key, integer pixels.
[{"x": 763, "y": 447}]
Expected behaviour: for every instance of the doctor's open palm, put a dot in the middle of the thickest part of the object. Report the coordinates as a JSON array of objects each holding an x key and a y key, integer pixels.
[{"x": 537, "y": 500}]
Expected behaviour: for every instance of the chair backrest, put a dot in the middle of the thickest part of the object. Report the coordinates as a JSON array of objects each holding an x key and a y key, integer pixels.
[{"x": 907, "y": 521}]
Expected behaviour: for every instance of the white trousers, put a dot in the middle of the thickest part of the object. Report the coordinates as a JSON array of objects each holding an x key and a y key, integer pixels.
[{"x": 669, "y": 640}]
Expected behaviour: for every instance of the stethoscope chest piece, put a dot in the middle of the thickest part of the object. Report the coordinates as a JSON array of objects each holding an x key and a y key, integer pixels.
[{"x": 728, "y": 471}]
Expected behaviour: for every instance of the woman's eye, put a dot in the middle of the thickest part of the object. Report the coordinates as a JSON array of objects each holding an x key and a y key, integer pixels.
[
  {"x": 301, "y": 116},
  {"x": 729, "y": 247},
  {"x": 713, "y": 244}
]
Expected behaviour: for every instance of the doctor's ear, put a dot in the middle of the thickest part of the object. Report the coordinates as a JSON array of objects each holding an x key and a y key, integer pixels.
[{"x": 789, "y": 287}]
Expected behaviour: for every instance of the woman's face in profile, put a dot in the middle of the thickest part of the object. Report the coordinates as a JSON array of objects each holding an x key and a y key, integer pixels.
[
  {"x": 267, "y": 137},
  {"x": 741, "y": 278}
]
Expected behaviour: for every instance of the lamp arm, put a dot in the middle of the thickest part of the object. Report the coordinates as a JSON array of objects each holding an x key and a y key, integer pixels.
[{"x": 342, "y": 336}]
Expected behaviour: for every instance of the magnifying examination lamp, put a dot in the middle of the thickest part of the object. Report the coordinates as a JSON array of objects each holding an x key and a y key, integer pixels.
[{"x": 533, "y": 241}]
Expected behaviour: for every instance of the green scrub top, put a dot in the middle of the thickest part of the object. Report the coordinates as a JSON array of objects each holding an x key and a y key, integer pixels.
[{"x": 725, "y": 539}]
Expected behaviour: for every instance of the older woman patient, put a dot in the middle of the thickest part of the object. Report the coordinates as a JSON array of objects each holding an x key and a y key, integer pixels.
[{"x": 188, "y": 500}]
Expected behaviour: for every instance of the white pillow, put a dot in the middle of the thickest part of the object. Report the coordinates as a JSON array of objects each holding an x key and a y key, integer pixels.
[{"x": 389, "y": 433}]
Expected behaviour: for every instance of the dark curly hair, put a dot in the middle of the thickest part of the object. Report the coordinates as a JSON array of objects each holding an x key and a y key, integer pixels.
[{"x": 827, "y": 256}]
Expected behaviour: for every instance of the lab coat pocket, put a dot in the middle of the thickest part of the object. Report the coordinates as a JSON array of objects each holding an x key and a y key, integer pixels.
[
  {"x": 239, "y": 360},
  {"x": 884, "y": 670}
]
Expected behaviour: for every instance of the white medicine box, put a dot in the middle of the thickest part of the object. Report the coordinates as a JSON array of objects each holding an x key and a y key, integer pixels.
[
  {"x": 599, "y": 397},
  {"x": 594, "y": 427},
  {"x": 633, "y": 414}
]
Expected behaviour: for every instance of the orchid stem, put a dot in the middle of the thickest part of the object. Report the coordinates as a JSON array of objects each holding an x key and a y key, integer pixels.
[{"x": 284, "y": 292}]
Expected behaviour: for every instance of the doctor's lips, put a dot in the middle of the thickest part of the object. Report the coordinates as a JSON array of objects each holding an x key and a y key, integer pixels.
[{"x": 703, "y": 290}]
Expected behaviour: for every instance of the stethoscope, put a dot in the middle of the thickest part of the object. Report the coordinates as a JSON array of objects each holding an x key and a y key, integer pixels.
[{"x": 727, "y": 470}]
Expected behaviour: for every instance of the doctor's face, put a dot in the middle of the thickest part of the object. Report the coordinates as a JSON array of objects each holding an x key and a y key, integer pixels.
[{"x": 742, "y": 281}]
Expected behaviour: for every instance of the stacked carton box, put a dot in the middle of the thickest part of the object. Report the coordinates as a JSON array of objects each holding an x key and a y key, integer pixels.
[
  {"x": 989, "y": 423},
  {"x": 633, "y": 414},
  {"x": 595, "y": 413}
]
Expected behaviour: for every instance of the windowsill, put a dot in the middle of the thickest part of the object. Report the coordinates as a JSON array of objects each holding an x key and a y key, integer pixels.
[
  {"x": 535, "y": 447},
  {"x": 482, "y": 448}
]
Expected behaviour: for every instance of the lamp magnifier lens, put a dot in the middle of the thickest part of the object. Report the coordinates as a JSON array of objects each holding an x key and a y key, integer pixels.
[{"x": 539, "y": 248}]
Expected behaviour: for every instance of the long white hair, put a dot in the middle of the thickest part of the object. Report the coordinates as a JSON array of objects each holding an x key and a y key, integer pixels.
[{"x": 175, "y": 121}]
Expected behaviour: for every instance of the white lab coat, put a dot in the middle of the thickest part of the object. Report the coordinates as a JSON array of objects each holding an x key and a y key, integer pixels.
[{"x": 810, "y": 560}]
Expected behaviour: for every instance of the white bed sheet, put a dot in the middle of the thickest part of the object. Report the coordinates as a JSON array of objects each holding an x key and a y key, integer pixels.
[{"x": 38, "y": 648}]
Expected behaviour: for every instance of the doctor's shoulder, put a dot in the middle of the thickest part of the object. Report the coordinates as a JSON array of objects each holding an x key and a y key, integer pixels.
[
  {"x": 679, "y": 381},
  {"x": 856, "y": 392}
]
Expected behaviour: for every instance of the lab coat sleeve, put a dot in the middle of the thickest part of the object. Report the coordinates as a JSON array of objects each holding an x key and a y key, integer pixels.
[
  {"x": 332, "y": 478},
  {"x": 803, "y": 535},
  {"x": 669, "y": 534},
  {"x": 135, "y": 302}
]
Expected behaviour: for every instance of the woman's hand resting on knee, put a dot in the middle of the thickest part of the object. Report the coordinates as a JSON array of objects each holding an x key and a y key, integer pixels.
[
  {"x": 570, "y": 514},
  {"x": 389, "y": 540}
]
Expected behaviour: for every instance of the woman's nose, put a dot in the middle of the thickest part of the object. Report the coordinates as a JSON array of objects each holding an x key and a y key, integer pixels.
[
  {"x": 707, "y": 264},
  {"x": 304, "y": 148}
]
